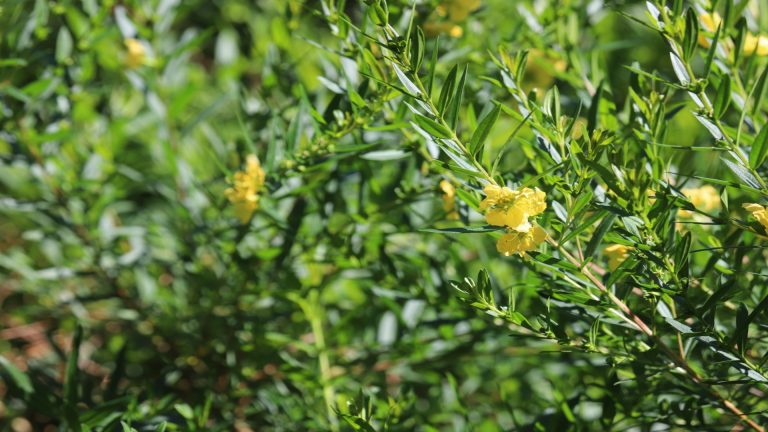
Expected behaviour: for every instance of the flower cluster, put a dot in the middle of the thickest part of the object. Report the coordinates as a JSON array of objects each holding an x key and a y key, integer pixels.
[
  {"x": 512, "y": 209},
  {"x": 759, "y": 212},
  {"x": 753, "y": 44},
  {"x": 246, "y": 185},
  {"x": 449, "y": 200}
]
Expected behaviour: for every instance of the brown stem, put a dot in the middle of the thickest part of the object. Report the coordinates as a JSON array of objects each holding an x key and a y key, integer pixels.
[{"x": 677, "y": 359}]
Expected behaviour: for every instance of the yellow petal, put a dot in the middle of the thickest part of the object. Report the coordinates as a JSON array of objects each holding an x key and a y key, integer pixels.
[
  {"x": 495, "y": 217},
  {"x": 520, "y": 243},
  {"x": 516, "y": 219},
  {"x": 532, "y": 201},
  {"x": 752, "y": 207},
  {"x": 710, "y": 22},
  {"x": 755, "y": 45},
  {"x": 616, "y": 254}
]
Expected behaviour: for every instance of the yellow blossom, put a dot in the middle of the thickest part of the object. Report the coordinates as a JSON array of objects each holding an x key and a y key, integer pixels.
[
  {"x": 137, "y": 53},
  {"x": 616, "y": 254},
  {"x": 246, "y": 185},
  {"x": 704, "y": 198},
  {"x": 709, "y": 23},
  {"x": 449, "y": 200},
  {"x": 521, "y": 242},
  {"x": 759, "y": 212},
  {"x": 755, "y": 45},
  {"x": 512, "y": 208}
]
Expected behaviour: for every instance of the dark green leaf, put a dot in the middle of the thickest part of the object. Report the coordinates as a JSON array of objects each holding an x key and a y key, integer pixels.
[
  {"x": 417, "y": 50},
  {"x": 758, "y": 92},
  {"x": 599, "y": 233},
  {"x": 432, "y": 127},
  {"x": 452, "y": 117},
  {"x": 19, "y": 378},
  {"x": 477, "y": 141},
  {"x": 72, "y": 381},
  {"x": 691, "y": 33},
  {"x": 594, "y": 109},
  {"x": 759, "y": 149},
  {"x": 446, "y": 93},
  {"x": 723, "y": 97}
]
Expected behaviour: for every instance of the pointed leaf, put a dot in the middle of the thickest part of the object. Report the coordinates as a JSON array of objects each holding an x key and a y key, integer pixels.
[
  {"x": 477, "y": 141},
  {"x": 432, "y": 127}
]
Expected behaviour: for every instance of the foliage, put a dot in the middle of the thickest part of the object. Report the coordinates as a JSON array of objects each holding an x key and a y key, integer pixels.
[{"x": 285, "y": 215}]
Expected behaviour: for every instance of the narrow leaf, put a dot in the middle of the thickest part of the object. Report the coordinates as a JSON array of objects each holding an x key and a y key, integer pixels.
[
  {"x": 723, "y": 97},
  {"x": 759, "y": 148},
  {"x": 477, "y": 141},
  {"x": 432, "y": 127}
]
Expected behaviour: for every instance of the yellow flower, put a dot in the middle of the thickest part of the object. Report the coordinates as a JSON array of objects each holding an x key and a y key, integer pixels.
[
  {"x": 616, "y": 254},
  {"x": 449, "y": 200},
  {"x": 704, "y": 198},
  {"x": 512, "y": 208},
  {"x": 755, "y": 45},
  {"x": 709, "y": 23},
  {"x": 456, "y": 31},
  {"x": 520, "y": 242},
  {"x": 137, "y": 53},
  {"x": 759, "y": 212},
  {"x": 246, "y": 185}
]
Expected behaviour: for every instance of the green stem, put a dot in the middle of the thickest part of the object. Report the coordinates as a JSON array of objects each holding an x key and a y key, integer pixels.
[
  {"x": 425, "y": 97},
  {"x": 315, "y": 313}
]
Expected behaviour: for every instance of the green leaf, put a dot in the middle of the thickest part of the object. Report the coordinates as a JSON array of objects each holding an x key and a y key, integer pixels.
[
  {"x": 185, "y": 411},
  {"x": 71, "y": 382},
  {"x": 463, "y": 230},
  {"x": 453, "y": 110},
  {"x": 385, "y": 155},
  {"x": 759, "y": 148},
  {"x": 599, "y": 233},
  {"x": 758, "y": 91},
  {"x": 742, "y": 328},
  {"x": 63, "y": 45},
  {"x": 691, "y": 37},
  {"x": 477, "y": 142},
  {"x": 711, "y": 53},
  {"x": 723, "y": 97},
  {"x": 417, "y": 50},
  {"x": 594, "y": 109},
  {"x": 742, "y": 173},
  {"x": 680, "y": 71},
  {"x": 13, "y": 62},
  {"x": 741, "y": 28},
  {"x": 433, "y": 66},
  {"x": 432, "y": 127},
  {"x": 19, "y": 378},
  {"x": 412, "y": 88},
  {"x": 446, "y": 93}
]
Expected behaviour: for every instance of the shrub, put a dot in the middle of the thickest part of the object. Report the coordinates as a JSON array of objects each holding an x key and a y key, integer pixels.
[{"x": 383, "y": 215}]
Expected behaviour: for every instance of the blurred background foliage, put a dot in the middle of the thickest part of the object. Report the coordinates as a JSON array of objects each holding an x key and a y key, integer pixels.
[{"x": 121, "y": 125}]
